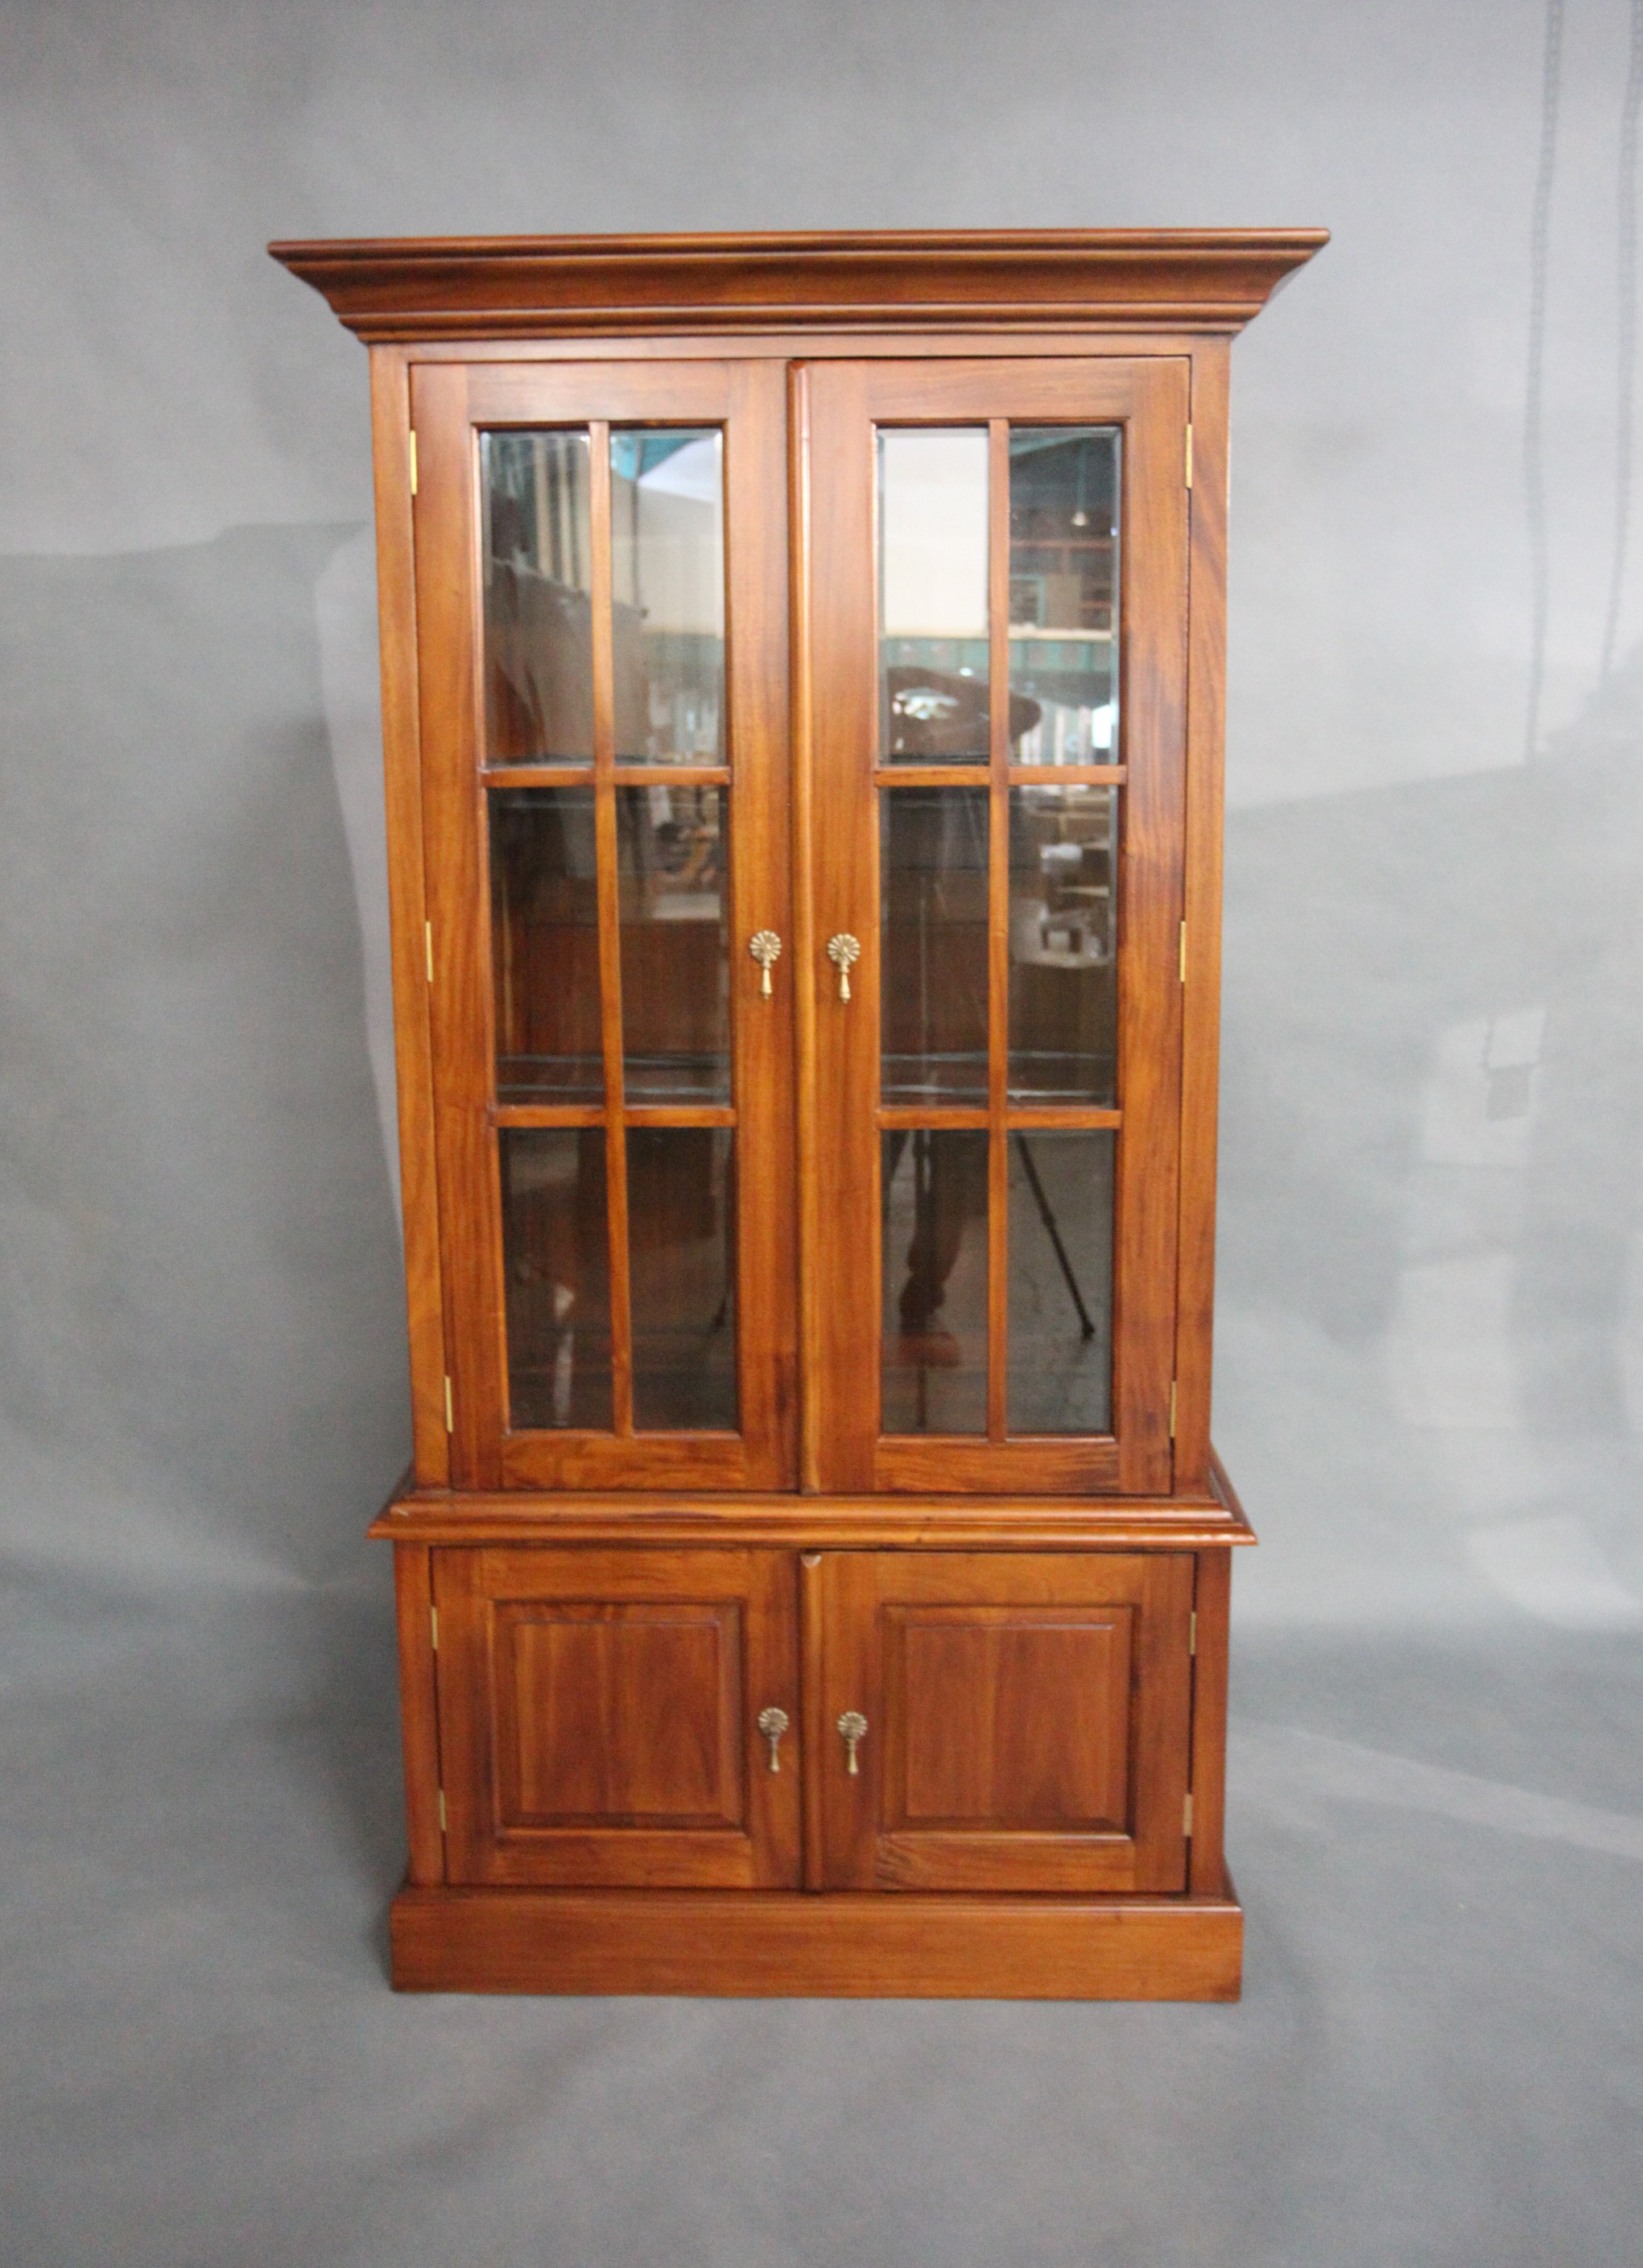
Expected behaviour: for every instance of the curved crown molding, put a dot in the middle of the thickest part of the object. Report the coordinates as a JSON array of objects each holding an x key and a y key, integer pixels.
[{"x": 412, "y": 288}]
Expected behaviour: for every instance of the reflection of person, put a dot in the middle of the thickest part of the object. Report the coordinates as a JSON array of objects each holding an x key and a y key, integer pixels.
[
  {"x": 949, "y": 1191},
  {"x": 942, "y": 713}
]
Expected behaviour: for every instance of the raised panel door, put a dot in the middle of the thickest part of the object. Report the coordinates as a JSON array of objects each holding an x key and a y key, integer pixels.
[
  {"x": 599, "y": 1717},
  {"x": 1018, "y": 1721}
]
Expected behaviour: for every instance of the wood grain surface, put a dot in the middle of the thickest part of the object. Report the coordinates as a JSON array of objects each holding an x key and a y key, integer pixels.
[
  {"x": 487, "y": 287},
  {"x": 769, "y": 1944}
]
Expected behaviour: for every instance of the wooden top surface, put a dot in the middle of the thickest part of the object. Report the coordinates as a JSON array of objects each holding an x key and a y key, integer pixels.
[{"x": 411, "y": 288}]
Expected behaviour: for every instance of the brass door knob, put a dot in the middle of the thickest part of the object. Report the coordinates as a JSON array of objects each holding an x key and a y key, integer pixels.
[
  {"x": 853, "y": 1725},
  {"x": 766, "y": 948},
  {"x": 773, "y": 1724},
  {"x": 843, "y": 951}
]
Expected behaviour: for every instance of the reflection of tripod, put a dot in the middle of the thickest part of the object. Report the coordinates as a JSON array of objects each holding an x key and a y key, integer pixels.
[
  {"x": 945, "y": 1196},
  {"x": 1054, "y": 1235}
]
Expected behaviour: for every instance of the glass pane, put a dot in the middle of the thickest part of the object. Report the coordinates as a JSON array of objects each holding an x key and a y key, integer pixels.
[
  {"x": 1060, "y": 1361},
  {"x": 672, "y": 847},
  {"x": 539, "y": 653},
  {"x": 681, "y": 1245},
  {"x": 557, "y": 1275},
  {"x": 935, "y": 1199},
  {"x": 1064, "y": 594},
  {"x": 668, "y": 585},
  {"x": 544, "y": 946},
  {"x": 932, "y": 595},
  {"x": 1063, "y": 991},
  {"x": 933, "y": 911}
]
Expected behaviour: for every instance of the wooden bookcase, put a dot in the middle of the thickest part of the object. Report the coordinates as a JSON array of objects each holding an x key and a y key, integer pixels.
[{"x": 802, "y": 673}]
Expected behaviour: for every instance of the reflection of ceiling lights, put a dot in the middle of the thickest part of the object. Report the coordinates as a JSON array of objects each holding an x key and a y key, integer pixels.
[
  {"x": 924, "y": 703},
  {"x": 690, "y": 471}
]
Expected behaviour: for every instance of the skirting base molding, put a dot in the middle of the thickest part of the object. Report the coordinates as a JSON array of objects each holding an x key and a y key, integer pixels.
[{"x": 787, "y": 1944}]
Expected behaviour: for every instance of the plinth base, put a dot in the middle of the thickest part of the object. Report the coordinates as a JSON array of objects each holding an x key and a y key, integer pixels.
[{"x": 799, "y": 1945}]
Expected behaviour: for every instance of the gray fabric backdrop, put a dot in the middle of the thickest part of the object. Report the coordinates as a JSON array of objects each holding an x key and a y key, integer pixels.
[{"x": 1430, "y": 1381}]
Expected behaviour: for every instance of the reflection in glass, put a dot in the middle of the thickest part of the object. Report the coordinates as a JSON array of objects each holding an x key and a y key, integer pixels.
[
  {"x": 1060, "y": 1342},
  {"x": 934, "y": 1194},
  {"x": 544, "y": 946},
  {"x": 556, "y": 1277},
  {"x": 682, "y": 1243},
  {"x": 932, "y": 594},
  {"x": 539, "y": 657},
  {"x": 1063, "y": 994},
  {"x": 933, "y": 910},
  {"x": 667, "y": 581},
  {"x": 1064, "y": 594},
  {"x": 672, "y": 866}
]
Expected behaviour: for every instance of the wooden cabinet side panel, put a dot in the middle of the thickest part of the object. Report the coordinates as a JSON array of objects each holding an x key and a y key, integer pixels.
[
  {"x": 1211, "y": 1606},
  {"x": 1200, "y": 1076},
  {"x": 419, "y": 1729},
  {"x": 1163, "y": 1720},
  {"x": 1154, "y": 697},
  {"x": 469, "y": 1204},
  {"x": 402, "y": 751}
]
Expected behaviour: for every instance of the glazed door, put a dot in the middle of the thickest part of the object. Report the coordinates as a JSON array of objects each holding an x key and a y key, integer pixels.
[
  {"x": 1018, "y": 1721},
  {"x": 601, "y": 624},
  {"x": 994, "y": 678},
  {"x": 605, "y": 1716}
]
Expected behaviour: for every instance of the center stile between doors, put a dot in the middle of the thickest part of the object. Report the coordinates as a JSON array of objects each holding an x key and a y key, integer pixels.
[{"x": 655, "y": 1058}]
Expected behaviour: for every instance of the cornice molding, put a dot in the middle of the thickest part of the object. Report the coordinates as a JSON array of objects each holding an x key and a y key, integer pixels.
[{"x": 407, "y": 288}]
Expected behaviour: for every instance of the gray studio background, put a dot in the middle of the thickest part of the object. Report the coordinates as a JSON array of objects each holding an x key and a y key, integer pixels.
[{"x": 1430, "y": 1378}]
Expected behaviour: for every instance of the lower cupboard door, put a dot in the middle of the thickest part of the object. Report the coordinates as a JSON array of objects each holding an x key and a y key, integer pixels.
[
  {"x": 600, "y": 1716},
  {"x": 1018, "y": 1721}
]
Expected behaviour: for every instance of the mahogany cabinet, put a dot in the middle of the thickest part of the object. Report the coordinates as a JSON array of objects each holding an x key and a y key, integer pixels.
[{"x": 802, "y": 667}]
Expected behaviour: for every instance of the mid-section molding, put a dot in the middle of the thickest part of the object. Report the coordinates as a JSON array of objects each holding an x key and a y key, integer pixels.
[
  {"x": 411, "y": 288},
  {"x": 811, "y": 1522}
]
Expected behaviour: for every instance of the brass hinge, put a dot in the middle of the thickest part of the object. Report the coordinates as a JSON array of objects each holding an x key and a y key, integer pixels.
[
  {"x": 1192, "y": 1632},
  {"x": 450, "y": 1419},
  {"x": 427, "y": 938},
  {"x": 413, "y": 459},
  {"x": 433, "y": 1627},
  {"x": 1172, "y": 1409},
  {"x": 1183, "y": 953},
  {"x": 1188, "y": 456},
  {"x": 1186, "y": 1824},
  {"x": 442, "y": 1809}
]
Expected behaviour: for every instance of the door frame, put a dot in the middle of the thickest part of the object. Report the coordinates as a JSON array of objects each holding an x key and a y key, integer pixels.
[
  {"x": 836, "y": 406},
  {"x": 451, "y": 402}
]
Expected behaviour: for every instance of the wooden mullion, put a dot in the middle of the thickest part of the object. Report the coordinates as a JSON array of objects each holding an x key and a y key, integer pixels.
[
  {"x": 997, "y": 923},
  {"x": 631, "y": 775},
  {"x": 547, "y": 1113},
  {"x": 496, "y": 777},
  {"x": 1068, "y": 775},
  {"x": 811, "y": 1348},
  {"x": 1066, "y": 1118},
  {"x": 919, "y": 1118},
  {"x": 972, "y": 775},
  {"x": 683, "y": 1114},
  {"x": 610, "y": 927}
]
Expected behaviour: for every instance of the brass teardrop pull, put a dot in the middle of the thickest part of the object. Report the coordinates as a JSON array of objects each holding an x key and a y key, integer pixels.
[
  {"x": 773, "y": 1724},
  {"x": 843, "y": 951},
  {"x": 766, "y": 948},
  {"x": 853, "y": 1725}
]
